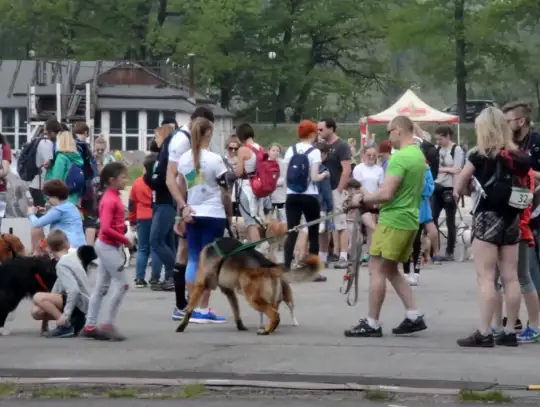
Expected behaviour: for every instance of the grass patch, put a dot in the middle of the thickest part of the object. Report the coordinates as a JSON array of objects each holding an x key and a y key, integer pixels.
[
  {"x": 126, "y": 393},
  {"x": 378, "y": 395},
  {"x": 484, "y": 396},
  {"x": 134, "y": 173},
  {"x": 7, "y": 389},
  {"x": 193, "y": 390},
  {"x": 56, "y": 393}
]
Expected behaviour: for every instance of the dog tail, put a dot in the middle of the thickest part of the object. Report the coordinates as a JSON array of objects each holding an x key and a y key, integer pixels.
[{"x": 310, "y": 268}]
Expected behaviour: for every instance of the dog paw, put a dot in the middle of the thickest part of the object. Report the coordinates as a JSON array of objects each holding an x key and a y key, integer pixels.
[
  {"x": 262, "y": 332},
  {"x": 240, "y": 326}
]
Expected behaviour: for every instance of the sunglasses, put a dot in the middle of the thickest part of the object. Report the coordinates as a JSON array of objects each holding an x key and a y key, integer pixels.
[
  {"x": 232, "y": 148},
  {"x": 390, "y": 131}
]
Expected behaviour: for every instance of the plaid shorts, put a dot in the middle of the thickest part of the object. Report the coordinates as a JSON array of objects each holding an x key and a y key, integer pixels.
[{"x": 498, "y": 230}]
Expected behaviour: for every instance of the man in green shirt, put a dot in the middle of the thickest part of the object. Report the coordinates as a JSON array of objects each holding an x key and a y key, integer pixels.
[{"x": 399, "y": 198}]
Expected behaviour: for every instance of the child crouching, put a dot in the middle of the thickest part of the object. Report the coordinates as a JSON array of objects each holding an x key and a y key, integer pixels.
[{"x": 67, "y": 303}]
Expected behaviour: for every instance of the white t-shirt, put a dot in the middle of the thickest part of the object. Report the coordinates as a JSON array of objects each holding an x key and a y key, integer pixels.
[
  {"x": 204, "y": 193},
  {"x": 369, "y": 177},
  {"x": 179, "y": 144},
  {"x": 314, "y": 157}
]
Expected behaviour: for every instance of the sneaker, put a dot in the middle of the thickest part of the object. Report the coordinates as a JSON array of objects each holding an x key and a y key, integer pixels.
[
  {"x": 341, "y": 264},
  {"x": 332, "y": 258},
  {"x": 477, "y": 340},
  {"x": 168, "y": 285},
  {"x": 178, "y": 314},
  {"x": 436, "y": 260},
  {"x": 363, "y": 330},
  {"x": 496, "y": 332},
  {"x": 93, "y": 333},
  {"x": 153, "y": 281},
  {"x": 208, "y": 318},
  {"x": 365, "y": 259},
  {"x": 507, "y": 339},
  {"x": 413, "y": 279},
  {"x": 140, "y": 283},
  {"x": 408, "y": 326},
  {"x": 62, "y": 332},
  {"x": 320, "y": 279},
  {"x": 448, "y": 257},
  {"x": 529, "y": 335}
]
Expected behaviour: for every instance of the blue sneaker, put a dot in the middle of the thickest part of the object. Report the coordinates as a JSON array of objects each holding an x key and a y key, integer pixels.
[
  {"x": 208, "y": 318},
  {"x": 529, "y": 335},
  {"x": 62, "y": 332},
  {"x": 178, "y": 314}
]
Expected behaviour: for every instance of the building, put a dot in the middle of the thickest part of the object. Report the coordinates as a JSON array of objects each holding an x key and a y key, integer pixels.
[{"x": 123, "y": 101}]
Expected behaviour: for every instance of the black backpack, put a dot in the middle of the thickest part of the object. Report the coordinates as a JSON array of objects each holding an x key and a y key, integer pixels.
[
  {"x": 432, "y": 157},
  {"x": 26, "y": 163},
  {"x": 86, "y": 155}
]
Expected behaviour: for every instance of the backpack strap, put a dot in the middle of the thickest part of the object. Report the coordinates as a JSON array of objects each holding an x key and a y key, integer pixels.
[
  {"x": 309, "y": 150},
  {"x": 453, "y": 151},
  {"x": 294, "y": 150},
  {"x": 186, "y": 133}
]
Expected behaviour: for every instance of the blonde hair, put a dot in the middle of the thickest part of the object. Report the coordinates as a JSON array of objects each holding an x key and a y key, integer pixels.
[
  {"x": 100, "y": 140},
  {"x": 232, "y": 139},
  {"x": 65, "y": 142},
  {"x": 493, "y": 132},
  {"x": 199, "y": 127},
  {"x": 276, "y": 145}
]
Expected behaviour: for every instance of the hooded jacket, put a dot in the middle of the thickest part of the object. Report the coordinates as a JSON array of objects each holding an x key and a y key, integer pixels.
[{"x": 60, "y": 169}]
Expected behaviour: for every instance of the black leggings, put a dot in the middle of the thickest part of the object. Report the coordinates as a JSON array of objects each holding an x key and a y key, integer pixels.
[
  {"x": 417, "y": 247},
  {"x": 296, "y": 206}
]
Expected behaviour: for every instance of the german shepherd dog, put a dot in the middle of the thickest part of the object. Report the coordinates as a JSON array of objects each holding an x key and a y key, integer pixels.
[
  {"x": 22, "y": 277},
  {"x": 264, "y": 283}
]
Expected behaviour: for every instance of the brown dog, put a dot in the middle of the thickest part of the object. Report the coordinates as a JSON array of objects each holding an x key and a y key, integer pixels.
[
  {"x": 264, "y": 283},
  {"x": 269, "y": 229},
  {"x": 10, "y": 247}
]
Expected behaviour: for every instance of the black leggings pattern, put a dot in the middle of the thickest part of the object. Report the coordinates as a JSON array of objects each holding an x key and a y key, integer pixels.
[{"x": 296, "y": 206}]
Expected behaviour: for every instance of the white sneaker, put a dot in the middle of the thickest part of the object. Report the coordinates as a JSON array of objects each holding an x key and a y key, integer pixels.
[{"x": 413, "y": 279}]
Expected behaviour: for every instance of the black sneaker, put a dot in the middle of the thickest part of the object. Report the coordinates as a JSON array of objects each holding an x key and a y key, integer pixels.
[
  {"x": 140, "y": 283},
  {"x": 477, "y": 340},
  {"x": 448, "y": 257},
  {"x": 505, "y": 339},
  {"x": 332, "y": 258},
  {"x": 153, "y": 282},
  {"x": 363, "y": 330},
  {"x": 518, "y": 326},
  {"x": 408, "y": 326}
]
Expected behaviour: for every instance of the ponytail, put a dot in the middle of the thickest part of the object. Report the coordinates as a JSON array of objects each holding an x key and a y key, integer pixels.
[{"x": 199, "y": 128}]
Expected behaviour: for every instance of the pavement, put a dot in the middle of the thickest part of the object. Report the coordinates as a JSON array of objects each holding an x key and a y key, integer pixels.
[{"x": 316, "y": 351}]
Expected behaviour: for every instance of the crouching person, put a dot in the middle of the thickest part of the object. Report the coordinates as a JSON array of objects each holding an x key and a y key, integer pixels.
[{"x": 67, "y": 303}]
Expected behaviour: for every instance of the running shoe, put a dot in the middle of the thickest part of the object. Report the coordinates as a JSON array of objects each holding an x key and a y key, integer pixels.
[
  {"x": 140, "y": 283},
  {"x": 363, "y": 330},
  {"x": 178, "y": 314},
  {"x": 507, "y": 339},
  {"x": 529, "y": 335},
  {"x": 477, "y": 340},
  {"x": 409, "y": 326},
  {"x": 208, "y": 318},
  {"x": 62, "y": 332}
]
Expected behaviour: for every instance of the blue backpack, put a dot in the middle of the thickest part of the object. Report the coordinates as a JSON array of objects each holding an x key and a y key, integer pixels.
[
  {"x": 298, "y": 171},
  {"x": 75, "y": 180}
]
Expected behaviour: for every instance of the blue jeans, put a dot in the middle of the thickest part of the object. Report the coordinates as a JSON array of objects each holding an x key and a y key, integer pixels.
[
  {"x": 199, "y": 234},
  {"x": 143, "y": 252},
  {"x": 162, "y": 236}
]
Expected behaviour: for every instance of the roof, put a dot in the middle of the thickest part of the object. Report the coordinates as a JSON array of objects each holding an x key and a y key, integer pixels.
[
  {"x": 413, "y": 107},
  {"x": 16, "y": 76}
]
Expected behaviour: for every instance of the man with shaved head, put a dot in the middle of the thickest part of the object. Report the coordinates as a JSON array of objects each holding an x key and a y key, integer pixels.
[{"x": 399, "y": 198}]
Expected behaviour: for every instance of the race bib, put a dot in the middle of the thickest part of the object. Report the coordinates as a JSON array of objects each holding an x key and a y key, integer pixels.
[{"x": 520, "y": 198}]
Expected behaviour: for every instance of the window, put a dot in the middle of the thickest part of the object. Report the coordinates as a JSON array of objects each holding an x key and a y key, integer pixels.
[
  {"x": 97, "y": 122},
  {"x": 116, "y": 121},
  {"x": 115, "y": 143},
  {"x": 22, "y": 120},
  {"x": 132, "y": 122},
  {"x": 8, "y": 120},
  {"x": 132, "y": 143},
  {"x": 11, "y": 140},
  {"x": 152, "y": 120}
]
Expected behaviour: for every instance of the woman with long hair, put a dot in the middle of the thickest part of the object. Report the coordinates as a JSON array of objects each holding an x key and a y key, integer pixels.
[
  {"x": 208, "y": 203},
  {"x": 495, "y": 224}
]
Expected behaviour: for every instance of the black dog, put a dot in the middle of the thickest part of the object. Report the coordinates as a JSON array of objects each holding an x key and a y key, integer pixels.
[{"x": 22, "y": 277}]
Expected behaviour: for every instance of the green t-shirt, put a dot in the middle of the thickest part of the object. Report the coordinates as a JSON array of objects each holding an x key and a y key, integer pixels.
[{"x": 402, "y": 212}]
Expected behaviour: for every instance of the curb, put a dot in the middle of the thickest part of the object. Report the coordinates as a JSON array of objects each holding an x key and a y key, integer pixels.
[{"x": 216, "y": 383}]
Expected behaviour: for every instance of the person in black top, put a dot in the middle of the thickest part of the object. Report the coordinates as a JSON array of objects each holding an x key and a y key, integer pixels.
[{"x": 496, "y": 228}]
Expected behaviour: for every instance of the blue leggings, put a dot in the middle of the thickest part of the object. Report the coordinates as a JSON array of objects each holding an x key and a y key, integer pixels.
[{"x": 203, "y": 231}]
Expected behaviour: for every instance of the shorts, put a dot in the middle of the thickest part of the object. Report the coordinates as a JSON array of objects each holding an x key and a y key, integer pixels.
[
  {"x": 490, "y": 227},
  {"x": 37, "y": 197},
  {"x": 340, "y": 221},
  {"x": 392, "y": 244},
  {"x": 243, "y": 206},
  {"x": 90, "y": 222},
  {"x": 77, "y": 319}
]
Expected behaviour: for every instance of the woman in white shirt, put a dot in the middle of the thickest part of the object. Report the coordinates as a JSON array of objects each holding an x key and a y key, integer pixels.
[
  {"x": 302, "y": 193},
  {"x": 371, "y": 176},
  {"x": 208, "y": 202}
]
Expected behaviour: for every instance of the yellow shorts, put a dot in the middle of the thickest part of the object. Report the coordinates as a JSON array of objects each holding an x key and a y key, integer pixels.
[{"x": 392, "y": 244}]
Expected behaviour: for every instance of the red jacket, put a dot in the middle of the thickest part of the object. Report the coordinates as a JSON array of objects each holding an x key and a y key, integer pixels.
[
  {"x": 112, "y": 224},
  {"x": 140, "y": 201},
  {"x": 525, "y": 217}
]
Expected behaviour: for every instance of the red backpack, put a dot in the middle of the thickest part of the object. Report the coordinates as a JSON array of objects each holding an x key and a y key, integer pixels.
[{"x": 264, "y": 180}]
